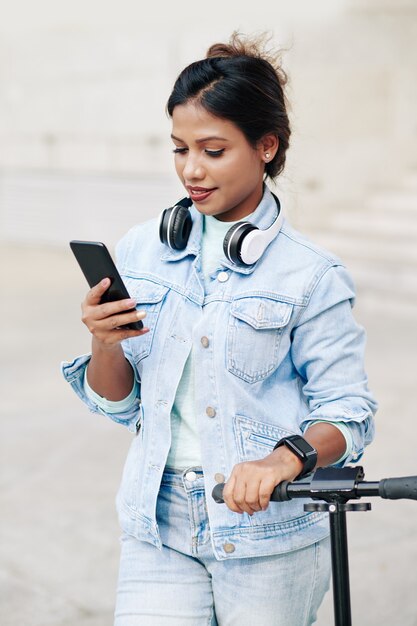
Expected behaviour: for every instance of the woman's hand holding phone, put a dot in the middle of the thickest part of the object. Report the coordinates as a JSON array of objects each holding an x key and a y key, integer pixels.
[
  {"x": 110, "y": 315},
  {"x": 104, "y": 321}
]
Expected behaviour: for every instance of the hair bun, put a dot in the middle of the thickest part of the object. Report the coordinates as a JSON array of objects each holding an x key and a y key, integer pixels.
[
  {"x": 236, "y": 47},
  {"x": 254, "y": 47}
]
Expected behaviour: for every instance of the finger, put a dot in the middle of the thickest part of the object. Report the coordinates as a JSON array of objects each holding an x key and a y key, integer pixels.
[
  {"x": 112, "y": 329},
  {"x": 228, "y": 495},
  {"x": 117, "y": 306},
  {"x": 121, "y": 319},
  {"x": 97, "y": 318},
  {"x": 95, "y": 293},
  {"x": 265, "y": 491},
  {"x": 239, "y": 496},
  {"x": 252, "y": 495}
]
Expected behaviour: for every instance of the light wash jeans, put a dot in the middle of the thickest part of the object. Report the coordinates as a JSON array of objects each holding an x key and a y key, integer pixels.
[{"x": 185, "y": 585}]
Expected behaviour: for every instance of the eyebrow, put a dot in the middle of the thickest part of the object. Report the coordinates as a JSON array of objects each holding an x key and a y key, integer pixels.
[{"x": 203, "y": 139}]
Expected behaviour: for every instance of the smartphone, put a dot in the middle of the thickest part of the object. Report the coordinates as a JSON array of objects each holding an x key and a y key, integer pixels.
[{"x": 96, "y": 263}]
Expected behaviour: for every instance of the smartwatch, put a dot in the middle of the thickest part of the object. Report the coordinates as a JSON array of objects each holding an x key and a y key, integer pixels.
[{"x": 303, "y": 450}]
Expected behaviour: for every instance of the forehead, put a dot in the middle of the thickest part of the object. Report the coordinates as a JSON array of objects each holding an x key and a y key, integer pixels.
[{"x": 191, "y": 122}]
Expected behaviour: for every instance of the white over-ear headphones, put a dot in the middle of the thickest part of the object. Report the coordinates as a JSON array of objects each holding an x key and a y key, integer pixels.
[{"x": 244, "y": 243}]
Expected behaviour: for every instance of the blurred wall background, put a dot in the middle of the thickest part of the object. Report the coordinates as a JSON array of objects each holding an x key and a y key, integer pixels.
[
  {"x": 83, "y": 87},
  {"x": 85, "y": 153}
]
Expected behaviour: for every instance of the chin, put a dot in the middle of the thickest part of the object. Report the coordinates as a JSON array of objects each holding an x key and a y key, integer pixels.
[{"x": 206, "y": 209}]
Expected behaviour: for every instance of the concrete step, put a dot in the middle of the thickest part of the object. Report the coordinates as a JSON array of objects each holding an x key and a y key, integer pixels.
[
  {"x": 379, "y": 241},
  {"x": 403, "y": 200},
  {"x": 382, "y": 261},
  {"x": 387, "y": 279},
  {"x": 395, "y": 251},
  {"x": 383, "y": 290},
  {"x": 377, "y": 224}
]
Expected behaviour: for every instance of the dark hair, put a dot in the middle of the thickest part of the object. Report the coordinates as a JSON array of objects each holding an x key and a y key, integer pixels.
[{"x": 241, "y": 83}]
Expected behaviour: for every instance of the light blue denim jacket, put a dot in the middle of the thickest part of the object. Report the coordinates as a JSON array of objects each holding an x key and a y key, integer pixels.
[{"x": 283, "y": 350}]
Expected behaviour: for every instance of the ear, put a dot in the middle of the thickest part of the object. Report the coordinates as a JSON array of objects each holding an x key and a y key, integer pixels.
[{"x": 268, "y": 147}]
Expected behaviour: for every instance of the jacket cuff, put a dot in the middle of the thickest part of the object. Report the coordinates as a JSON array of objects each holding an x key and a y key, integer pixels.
[
  {"x": 74, "y": 374},
  {"x": 111, "y": 406},
  {"x": 344, "y": 429},
  {"x": 358, "y": 432}
]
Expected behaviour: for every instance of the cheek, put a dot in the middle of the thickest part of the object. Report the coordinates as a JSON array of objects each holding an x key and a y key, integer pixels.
[
  {"x": 242, "y": 174},
  {"x": 229, "y": 172},
  {"x": 246, "y": 167}
]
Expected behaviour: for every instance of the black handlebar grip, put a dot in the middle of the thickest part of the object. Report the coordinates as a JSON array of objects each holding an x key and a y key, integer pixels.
[
  {"x": 217, "y": 493},
  {"x": 397, "y": 488},
  {"x": 280, "y": 493}
]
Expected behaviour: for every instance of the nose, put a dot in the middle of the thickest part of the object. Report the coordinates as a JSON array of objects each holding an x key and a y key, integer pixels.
[{"x": 193, "y": 169}]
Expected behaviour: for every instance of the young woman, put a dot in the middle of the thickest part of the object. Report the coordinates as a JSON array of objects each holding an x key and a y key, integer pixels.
[{"x": 249, "y": 371}]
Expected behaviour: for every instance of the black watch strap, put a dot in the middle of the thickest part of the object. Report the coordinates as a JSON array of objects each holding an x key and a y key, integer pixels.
[{"x": 303, "y": 450}]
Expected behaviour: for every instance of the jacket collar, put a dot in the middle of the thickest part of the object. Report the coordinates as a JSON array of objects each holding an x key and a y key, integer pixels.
[{"x": 263, "y": 217}]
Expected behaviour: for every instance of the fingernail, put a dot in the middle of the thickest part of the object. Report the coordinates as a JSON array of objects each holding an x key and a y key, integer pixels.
[
  {"x": 104, "y": 282},
  {"x": 140, "y": 314}
]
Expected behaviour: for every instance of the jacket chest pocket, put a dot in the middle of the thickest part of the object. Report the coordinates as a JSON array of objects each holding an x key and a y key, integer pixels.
[
  {"x": 254, "y": 334},
  {"x": 149, "y": 297},
  {"x": 255, "y": 439}
]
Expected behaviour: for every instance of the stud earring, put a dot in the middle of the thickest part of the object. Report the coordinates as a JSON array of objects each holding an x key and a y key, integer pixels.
[{"x": 267, "y": 155}]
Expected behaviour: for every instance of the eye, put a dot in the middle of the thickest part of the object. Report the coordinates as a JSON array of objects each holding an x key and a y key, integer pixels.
[
  {"x": 179, "y": 150},
  {"x": 215, "y": 153}
]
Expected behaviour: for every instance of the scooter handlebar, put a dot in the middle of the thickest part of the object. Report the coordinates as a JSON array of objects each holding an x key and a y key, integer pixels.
[{"x": 388, "y": 488}]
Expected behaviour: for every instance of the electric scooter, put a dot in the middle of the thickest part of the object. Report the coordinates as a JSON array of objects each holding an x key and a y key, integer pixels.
[{"x": 335, "y": 487}]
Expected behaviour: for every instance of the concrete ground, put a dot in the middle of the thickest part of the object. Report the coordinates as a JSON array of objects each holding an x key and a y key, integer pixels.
[{"x": 61, "y": 465}]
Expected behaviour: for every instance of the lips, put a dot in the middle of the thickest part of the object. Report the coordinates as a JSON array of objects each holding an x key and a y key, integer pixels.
[{"x": 198, "y": 194}]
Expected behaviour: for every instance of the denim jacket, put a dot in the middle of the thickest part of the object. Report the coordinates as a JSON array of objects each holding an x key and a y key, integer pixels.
[{"x": 275, "y": 348}]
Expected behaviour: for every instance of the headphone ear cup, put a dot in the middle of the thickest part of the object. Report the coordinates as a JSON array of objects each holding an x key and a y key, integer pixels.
[
  {"x": 175, "y": 227},
  {"x": 181, "y": 228},
  {"x": 232, "y": 243},
  {"x": 163, "y": 225}
]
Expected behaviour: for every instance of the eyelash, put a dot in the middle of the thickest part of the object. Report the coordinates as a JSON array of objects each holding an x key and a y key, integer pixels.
[{"x": 212, "y": 153}]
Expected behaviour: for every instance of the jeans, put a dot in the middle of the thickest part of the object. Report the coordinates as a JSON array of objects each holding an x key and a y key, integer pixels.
[{"x": 184, "y": 584}]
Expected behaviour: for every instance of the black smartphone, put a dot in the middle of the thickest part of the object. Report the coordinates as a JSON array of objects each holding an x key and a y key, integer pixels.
[{"x": 96, "y": 263}]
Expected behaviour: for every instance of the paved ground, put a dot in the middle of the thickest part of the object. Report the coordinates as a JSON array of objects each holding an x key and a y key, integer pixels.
[{"x": 60, "y": 465}]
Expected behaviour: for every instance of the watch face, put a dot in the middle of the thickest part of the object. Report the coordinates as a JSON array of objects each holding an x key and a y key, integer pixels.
[{"x": 303, "y": 445}]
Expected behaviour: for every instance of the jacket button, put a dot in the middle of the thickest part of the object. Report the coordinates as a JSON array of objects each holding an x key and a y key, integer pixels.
[
  {"x": 219, "y": 478},
  {"x": 229, "y": 548},
  {"x": 211, "y": 412},
  {"x": 191, "y": 476},
  {"x": 205, "y": 342},
  {"x": 222, "y": 277}
]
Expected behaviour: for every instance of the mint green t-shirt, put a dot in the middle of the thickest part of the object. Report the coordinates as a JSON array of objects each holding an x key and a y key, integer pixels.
[{"x": 185, "y": 441}]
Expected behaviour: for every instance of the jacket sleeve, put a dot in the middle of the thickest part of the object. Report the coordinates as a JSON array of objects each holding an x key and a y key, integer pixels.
[
  {"x": 328, "y": 352},
  {"x": 74, "y": 373}
]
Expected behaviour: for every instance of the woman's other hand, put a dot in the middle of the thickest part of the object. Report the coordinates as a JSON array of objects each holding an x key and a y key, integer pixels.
[{"x": 251, "y": 483}]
